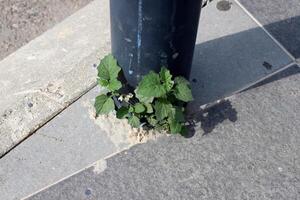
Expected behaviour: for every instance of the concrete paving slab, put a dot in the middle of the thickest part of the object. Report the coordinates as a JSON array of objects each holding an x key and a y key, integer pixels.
[
  {"x": 68, "y": 143},
  {"x": 232, "y": 52},
  {"x": 69, "y": 132},
  {"x": 71, "y": 48},
  {"x": 71, "y": 141},
  {"x": 295, "y": 69},
  {"x": 281, "y": 18},
  {"x": 52, "y": 70},
  {"x": 251, "y": 152},
  {"x": 22, "y": 21}
]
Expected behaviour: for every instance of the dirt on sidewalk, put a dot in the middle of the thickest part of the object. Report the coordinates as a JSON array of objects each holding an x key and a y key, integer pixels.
[{"x": 23, "y": 20}]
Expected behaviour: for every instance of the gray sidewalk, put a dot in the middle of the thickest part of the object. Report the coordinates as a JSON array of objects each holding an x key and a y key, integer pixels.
[
  {"x": 22, "y": 21},
  {"x": 281, "y": 18},
  {"x": 43, "y": 77},
  {"x": 244, "y": 147},
  {"x": 255, "y": 156}
]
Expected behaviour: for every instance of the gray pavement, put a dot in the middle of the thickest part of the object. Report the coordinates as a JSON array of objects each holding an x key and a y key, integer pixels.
[
  {"x": 252, "y": 153},
  {"x": 246, "y": 147},
  {"x": 281, "y": 18},
  {"x": 43, "y": 77},
  {"x": 71, "y": 141},
  {"x": 231, "y": 53},
  {"x": 21, "y": 21}
]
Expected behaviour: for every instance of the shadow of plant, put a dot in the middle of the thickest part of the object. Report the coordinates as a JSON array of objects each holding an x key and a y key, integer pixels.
[{"x": 211, "y": 117}]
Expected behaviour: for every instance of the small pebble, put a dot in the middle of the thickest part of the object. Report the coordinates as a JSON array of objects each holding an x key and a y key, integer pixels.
[{"x": 88, "y": 192}]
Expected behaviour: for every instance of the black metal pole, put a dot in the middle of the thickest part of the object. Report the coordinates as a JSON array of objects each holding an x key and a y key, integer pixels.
[{"x": 149, "y": 34}]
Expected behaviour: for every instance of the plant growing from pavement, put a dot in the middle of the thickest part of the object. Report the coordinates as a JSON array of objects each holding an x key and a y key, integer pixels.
[{"x": 157, "y": 102}]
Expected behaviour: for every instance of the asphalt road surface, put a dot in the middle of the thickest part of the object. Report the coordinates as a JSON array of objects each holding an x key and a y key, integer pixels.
[{"x": 21, "y": 21}]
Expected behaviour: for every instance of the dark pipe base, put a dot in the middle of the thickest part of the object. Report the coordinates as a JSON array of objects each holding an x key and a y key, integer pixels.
[{"x": 149, "y": 34}]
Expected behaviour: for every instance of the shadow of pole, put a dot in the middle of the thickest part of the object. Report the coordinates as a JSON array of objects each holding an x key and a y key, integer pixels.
[{"x": 225, "y": 65}]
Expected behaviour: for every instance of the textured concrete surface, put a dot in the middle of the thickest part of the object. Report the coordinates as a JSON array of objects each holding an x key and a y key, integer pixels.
[
  {"x": 47, "y": 74},
  {"x": 71, "y": 141},
  {"x": 281, "y": 18},
  {"x": 71, "y": 48},
  {"x": 283, "y": 74},
  {"x": 251, "y": 152},
  {"x": 244, "y": 148},
  {"x": 22, "y": 21},
  {"x": 68, "y": 143},
  {"x": 231, "y": 53}
]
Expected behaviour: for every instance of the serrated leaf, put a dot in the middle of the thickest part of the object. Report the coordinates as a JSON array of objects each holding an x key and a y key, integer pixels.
[
  {"x": 175, "y": 126},
  {"x": 114, "y": 85},
  {"x": 139, "y": 108},
  {"x": 142, "y": 98},
  {"x": 134, "y": 121},
  {"x": 131, "y": 109},
  {"x": 151, "y": 120},
  {"x": 108, "y": 68},
  {"x": 166, "y": 78},
  {"x": 184, "y": 131},
  {"x": 150, "y": 86},
  {"x": 183, "y": 92},
  {"x": 177, "y": 114},
  {"x": 181, "y": 80},
  {"x": 103, "y": 82},
  {"x": 108, "y": 71},
  {"x": 163, "y": 127},
  {"x": 149, "y": 108},
  {"x": 122, "y": 112},
  {"x": 104, "y": 104},
  {"x": 162, "y": 109}
]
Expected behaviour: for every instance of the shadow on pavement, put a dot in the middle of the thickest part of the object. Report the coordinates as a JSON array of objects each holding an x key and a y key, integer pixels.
[
  {"x": 283, "y": 74},
  {"x": 285, "y": 31},
  {"x": 211, "y": 117},
  {"x": 225, "y": 65}
]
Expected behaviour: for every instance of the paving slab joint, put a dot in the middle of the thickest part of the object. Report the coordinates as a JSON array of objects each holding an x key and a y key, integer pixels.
[
  {"x": 265, "y": 30},
  {"x": 44, "y": 77}
]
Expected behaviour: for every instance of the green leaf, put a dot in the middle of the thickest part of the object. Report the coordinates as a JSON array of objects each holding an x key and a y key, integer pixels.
[
  {"x": 122, "y": 112},
  {"x": 151, "y": 120},
  {"x": 108, "y": 71},
  {"x": 166, "y": 78},
  {"x": 114, "y": 85},
  {"x": 104, "y": 104},
  {"x": 150, "y": 86},
  {"x": 177, "y": 114},
  {"x": 134, "y": 121},
  {"x": 183, "y": 92},
  {"x": 149, "y": 108},
  {"x": 175, "y": 126},
  {"x": 162, "y": 126},
  {"x": 162, "y": 109},
  {"x": 108, "y": 68},
  {"x": 184, "y": 131},
  {"x": 103, "y": 82},
  {"x": 131, "y": 109},
  {"x": 142, "y": 98},
  {"x": 181, "y": 80},
  {"x": 139, "y": 108}
]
